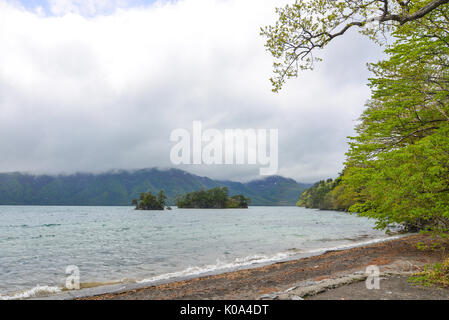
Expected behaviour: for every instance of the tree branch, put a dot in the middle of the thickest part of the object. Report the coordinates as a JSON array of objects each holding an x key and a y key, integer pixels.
[{"x": 308, "y": 25}]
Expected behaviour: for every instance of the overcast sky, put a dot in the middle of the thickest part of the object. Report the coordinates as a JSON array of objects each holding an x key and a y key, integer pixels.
[{"x": 98, "y": 85}]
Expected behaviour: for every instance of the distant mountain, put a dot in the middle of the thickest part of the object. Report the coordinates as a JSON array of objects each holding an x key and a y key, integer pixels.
[{"x": 120, "y": 187}]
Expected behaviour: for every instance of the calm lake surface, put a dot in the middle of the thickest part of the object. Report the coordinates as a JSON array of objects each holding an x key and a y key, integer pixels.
[{"x": 110, "y": 244}]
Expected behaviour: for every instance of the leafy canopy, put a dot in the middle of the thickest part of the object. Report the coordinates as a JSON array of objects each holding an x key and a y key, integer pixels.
[
  {"x": 213, "y": 198},
  {"x": 308, "y": 25},
  {"x": 397, "y": 167},
  {"x": 398, "y": 163},
  {"x": 148, "y": 201}
]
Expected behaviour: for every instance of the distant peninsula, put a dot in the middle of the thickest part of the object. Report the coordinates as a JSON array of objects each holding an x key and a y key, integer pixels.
[{"x": 216, "y": 198}]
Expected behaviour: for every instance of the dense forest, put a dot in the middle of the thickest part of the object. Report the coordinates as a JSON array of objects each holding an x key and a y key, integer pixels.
[
  {"x": 217, "y": 198},
  {"x": 397, "y": 166},
  {"x": 320, "y": 196}
]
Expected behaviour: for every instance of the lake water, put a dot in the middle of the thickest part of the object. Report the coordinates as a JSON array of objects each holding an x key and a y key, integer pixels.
[{"x": 120, "y": 244}]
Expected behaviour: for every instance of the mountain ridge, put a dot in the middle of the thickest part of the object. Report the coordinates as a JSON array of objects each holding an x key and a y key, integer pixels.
[{"x": 119, "y": 187}]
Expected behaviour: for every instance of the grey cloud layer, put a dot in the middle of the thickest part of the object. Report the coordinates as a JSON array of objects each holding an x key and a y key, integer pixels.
[{"x": 99, "y": 93}]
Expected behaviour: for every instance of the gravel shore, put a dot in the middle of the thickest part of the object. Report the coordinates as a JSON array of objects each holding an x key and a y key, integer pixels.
[{"x": 332, "y": 275}]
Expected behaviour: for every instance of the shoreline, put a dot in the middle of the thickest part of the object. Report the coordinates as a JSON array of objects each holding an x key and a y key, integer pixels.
[
  {"x": 398, "y": 256},
  {"x": 181, "y": 251},
  {"x": 394, "y": 256},
  {"x": 163, "y": 279}
]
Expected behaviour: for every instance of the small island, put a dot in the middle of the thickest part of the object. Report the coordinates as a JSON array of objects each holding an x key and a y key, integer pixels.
[
  {"x": 215, "y": 198},
  {"x": 148, "y": 201}
]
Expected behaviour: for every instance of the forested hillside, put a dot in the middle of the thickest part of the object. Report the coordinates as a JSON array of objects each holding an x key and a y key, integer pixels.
[{"x": 121, "y": 187}]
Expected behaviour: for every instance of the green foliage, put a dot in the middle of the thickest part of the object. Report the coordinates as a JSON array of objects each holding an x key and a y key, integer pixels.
[
  {"x": 398, "y": 164},
  {"x": 397, "y": 168},
  {"x": 409, "y": 185},
  {"x": 438, "y": 274},
  {"x": 318, "y": 196},
  {"x": 238, "y": 201},
  {"x": 216, "y": 198},
  {"x": 306, "y": 26},
  {"x": 161, "y": 198},
  {"x": 148, "y": 201}
]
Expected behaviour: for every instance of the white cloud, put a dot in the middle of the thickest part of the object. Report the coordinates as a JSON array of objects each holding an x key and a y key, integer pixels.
[
  {"x": 83, "y": 7},
  {"x": 86, "y": 92}
]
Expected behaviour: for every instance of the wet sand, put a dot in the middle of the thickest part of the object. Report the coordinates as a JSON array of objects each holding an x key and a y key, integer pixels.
[{"x": 398, "y": 257}]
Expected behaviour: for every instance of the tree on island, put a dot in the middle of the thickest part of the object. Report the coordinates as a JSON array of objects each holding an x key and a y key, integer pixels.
[
  {"x": 216, "y": 198},
  {"x": 238, "y": 201},
  {"x": 148, "y": 201}
]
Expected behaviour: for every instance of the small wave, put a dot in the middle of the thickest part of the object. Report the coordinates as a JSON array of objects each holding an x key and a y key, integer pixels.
[
  {"x": 257, "y": 259},
  {"x": 16, "y": 226},
  {"x": 353, "y": 245},
  {"x": 44, "y": 236},
  {"x": 11, "y": 238},
  {"x": 353, "y": 239},
  {"x": 220, "y": 265},
  {"x": 34, "y": 292},
  {"x": 35, "y": 226},
  {"x": 123, "y": 229}
]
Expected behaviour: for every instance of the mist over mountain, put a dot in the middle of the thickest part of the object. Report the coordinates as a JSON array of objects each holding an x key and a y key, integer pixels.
[{"x": 118, "y": 188}]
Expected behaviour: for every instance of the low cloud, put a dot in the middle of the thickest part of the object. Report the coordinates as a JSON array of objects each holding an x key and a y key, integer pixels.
[{"x": 94, "y": 86}]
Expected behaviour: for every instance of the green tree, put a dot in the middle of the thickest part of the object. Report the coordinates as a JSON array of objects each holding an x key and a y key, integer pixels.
[
  {"x": 397, "y": 166},
  {"x": 213, "y": 198},
  {"x": 410, "y": 185},
  {"x": 161, "y": 198},
  {"x": 306, "y": 26},
  {"x": 148, "y": 201},
  {"x": 319, "y": 195}
]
